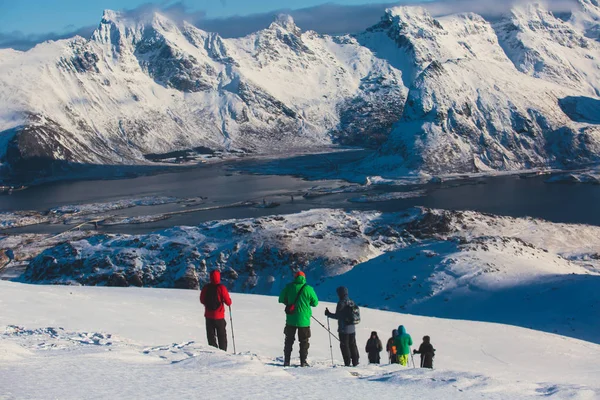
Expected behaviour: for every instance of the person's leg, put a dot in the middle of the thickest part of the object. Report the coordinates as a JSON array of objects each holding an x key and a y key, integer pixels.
[
  {"x": 211, "y": 332},
  {"x": 290, "y": 337},
  {"x": 303, "y": 338},
  {"x": 345, "y": 348},
  {"x": 404, "y": 359},
  {"x": 353, "y": 349},
  {"x": 221, "y": 325}
]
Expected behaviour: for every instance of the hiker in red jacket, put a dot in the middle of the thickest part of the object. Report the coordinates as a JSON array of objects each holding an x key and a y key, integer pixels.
[{"x": 213, "y": 296}]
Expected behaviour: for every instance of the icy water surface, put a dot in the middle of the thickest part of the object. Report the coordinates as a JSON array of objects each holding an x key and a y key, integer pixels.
[{"x": 230, "y": 183}]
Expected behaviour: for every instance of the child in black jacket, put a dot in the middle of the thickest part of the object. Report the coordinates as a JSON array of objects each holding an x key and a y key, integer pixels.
[
  {"x": 373, "y": 348},
  {"x": 427, "y": 353}
]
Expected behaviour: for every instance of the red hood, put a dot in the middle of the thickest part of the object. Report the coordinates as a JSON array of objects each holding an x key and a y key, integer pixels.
[{"x": 215, "y": 277}]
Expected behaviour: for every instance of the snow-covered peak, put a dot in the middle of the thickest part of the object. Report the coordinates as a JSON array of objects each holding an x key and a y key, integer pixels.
[
  {"x": 409, "y": 14},
  {"x": 286, "y": 22},
  {"x": 109, "y": 16}
]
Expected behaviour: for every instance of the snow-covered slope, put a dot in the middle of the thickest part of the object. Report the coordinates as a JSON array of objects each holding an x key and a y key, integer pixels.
[
  {"x": 71, "y": 343},
  {"x": 473, "y": 105},
  {"x": 448, "y": 264},
  {"x": 465, "y": 93}
]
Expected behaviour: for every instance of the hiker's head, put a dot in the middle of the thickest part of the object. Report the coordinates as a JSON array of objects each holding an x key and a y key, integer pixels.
[
  {"x": 426, "y": 339},
  {"x": 374, "y": 335},
  {"x": 300, "y": 277},
  {"x": 395, "y": 333},
  {"x": 401, "y": 330},
  {"x": 342, "y": 292},
  {"x": 215, "y": 277}
]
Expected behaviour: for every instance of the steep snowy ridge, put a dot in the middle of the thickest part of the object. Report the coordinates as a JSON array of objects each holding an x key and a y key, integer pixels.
[
  {"x": 469, "y": 109},
  {"x": 465, "y": 94},
  {"x": 586, "y": 18},
  {"x": 544, "y": 46}
]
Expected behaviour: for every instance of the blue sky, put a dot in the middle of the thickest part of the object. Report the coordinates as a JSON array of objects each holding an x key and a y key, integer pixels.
[{"x": 43, "y": 16}]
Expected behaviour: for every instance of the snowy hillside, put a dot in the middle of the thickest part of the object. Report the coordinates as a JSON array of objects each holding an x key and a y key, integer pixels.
[
  {"x": 473, "y": 104},
  {"x": 71, "y": 343},
  {"x": 454, "y": 264},
  {"x": 465, "y": 94}
]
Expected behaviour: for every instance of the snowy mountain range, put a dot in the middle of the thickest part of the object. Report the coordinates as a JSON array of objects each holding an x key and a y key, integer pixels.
[{"x": 458, "y": 93}]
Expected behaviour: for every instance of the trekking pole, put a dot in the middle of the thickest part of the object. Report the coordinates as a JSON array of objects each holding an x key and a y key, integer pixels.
[
  {"x": 412, "y": 356},
  {"x": 330, "y": 346},
  {"x": 232, "y": 334},
  {"x": 324, "y": 327}
]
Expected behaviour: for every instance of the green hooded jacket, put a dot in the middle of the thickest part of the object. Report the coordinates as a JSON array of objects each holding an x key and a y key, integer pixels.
[
  {"x": 308, "y": 299},
  {"x": 403, "y": 341}
]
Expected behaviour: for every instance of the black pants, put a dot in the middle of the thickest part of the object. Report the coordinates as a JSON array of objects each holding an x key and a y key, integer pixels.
[
  {"x": 349, "y": 348},
  {"x": 290, "y": 337},
  {"x": 216, "y": 328},
  {"x": 374, "y": 357}
]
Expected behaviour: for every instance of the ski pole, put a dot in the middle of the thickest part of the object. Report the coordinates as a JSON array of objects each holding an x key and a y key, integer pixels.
[
  {"x": 328, "y": 330},
  {"x": 330, "y": 346},
  {"x": 412, "y": 356},
  {"x": 232, "y": 334}
]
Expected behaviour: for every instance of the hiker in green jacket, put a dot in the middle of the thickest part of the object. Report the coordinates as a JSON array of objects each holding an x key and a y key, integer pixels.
[
  {"x": 298, "y": 298},
  {"x": 403, "y": 342}
]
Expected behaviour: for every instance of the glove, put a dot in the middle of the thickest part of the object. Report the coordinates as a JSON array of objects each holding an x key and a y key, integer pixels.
[
  {"x": 327, "y": 313},
  {"x": 415, "y": 351}
]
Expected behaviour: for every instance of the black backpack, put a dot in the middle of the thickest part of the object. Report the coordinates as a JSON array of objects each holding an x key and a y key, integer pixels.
[
  {"x": 352, "y": 313},
  {"x": 212, "y": 301}
]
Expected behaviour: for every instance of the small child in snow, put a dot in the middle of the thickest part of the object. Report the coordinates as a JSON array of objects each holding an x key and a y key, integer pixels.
[
  {"x": 427, "y": 352},
  {"x": 373, "y": 348},
  {"x": 391, "y": 348}
]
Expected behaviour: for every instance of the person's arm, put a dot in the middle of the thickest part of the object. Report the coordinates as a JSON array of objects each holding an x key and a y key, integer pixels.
[
  {"x": 379, "y": 345},
  {"x": 419, "y": 351},
  {"x": 338, "y": 311},
  {"x": 314, "y": 300},
  {"x": 410, "y": 342},
  {"x": 283, "y": 296},
  {"x": 202, "y": 295},
  {"x": 225, "y": 295}
]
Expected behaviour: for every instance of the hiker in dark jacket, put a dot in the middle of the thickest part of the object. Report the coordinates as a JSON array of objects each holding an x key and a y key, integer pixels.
[
  {"x": 427, "y": 352},
  {"x": 390, "y": 347},
  {"x": 214, "y": 295},
  {"x": 302, "y": 297},
  {"x": 347, "y": 331},
  {"x": 373, "y": 348}
]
